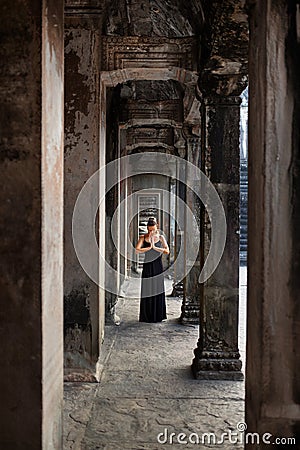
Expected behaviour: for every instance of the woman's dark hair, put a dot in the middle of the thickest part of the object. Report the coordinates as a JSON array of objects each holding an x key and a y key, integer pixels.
[{"x": 151, "y": 222}]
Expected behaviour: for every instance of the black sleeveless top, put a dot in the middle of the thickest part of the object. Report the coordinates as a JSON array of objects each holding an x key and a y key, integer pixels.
[{"x": 152, "y": 254}]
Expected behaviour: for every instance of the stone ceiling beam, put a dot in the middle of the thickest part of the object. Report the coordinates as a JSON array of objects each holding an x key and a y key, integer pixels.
[
  {"x": 146, "y": 145},
  {"x": 114, "y": 77},
  {"x": 146, "y": 122}
]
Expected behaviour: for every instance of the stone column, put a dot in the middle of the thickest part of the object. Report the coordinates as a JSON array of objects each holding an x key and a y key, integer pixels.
[
  {"x": 111, "y": 253},
  {"x": 217, "y": 355},
  {"x": 191, "y": 295},
  {"x": 273, "y": 338},
  {"x": 31, "y": 199},
  {"x": 83, "y": 300},
  {"x": 112, "y": 200},
  {"x": 172, "y": 207},
  {"x": 178, "y": 285}
]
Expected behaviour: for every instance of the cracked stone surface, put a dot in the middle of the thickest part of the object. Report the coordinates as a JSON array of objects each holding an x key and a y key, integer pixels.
[{"x": 147, "y": 388}]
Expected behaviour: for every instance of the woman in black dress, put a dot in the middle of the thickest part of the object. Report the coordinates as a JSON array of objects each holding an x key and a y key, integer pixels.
[{"x": 153, "y": 301}]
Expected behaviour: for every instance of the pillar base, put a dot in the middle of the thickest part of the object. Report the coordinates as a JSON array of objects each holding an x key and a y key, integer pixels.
[
  {"x": 111, "y": 318},
  {"x": 217, "y": 366},
  {"x": 83, "y": 375},
  {"x": 177, "y": 290},
  {"x": 229, "y": 375},
  {"x": 190, "y": 315}
]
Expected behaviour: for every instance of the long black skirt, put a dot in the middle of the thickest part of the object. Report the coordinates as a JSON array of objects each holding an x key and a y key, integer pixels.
[{"x": 153, "y": 299}]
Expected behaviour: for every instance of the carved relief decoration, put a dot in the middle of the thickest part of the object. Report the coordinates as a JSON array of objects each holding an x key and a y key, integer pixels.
[
  {"x": 170, "y": 109},
  {"x": 145, "y": 52}
]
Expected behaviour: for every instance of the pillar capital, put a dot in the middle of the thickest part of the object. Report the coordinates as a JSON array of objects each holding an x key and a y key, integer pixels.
[
  {"x": 222, "y": 100},
  {"x": 220, "y": 85}
]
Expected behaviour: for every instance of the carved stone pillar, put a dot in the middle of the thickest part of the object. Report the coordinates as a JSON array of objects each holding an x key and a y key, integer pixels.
[
  {"x": 83, "y": 300},
  {"x": 191, "y": 294},
  {"x": 273, "y": 338},
  {"x": 217, "y": 355},
  {"x": 31, "y": 225},
  {"x": 178, "y": 284}
]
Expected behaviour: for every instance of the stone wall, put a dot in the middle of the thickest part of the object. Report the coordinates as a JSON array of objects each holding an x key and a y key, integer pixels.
[
  {"x": 272, "y": 378},
  {"x": 31, "y": 167},
  {"x": 83, "y": 323}
]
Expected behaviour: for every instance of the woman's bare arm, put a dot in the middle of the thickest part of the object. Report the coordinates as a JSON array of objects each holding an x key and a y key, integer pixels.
[
  {"x": 165, "y": 248},
  {"x": 139, "y": 248}
]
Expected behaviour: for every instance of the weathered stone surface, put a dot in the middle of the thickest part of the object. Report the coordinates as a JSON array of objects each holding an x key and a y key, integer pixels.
[
  {"x": 31, "y": 170},
  {"x": 161, "y": 383},
  {"x": 153, "y": 18},
  {"x": 224, "y": 48},
  {"x": 147, "y": 386},
  {"x": 190, "y": 310},
  {"x": 217, "y": 352},
  {"x": 84, "y": 319},
  {"x": 274, "y": 193},
  {"x": 31, "y": 194},
  {"x": 141, "y": 52},
  {"x": 146, "y": 418},
  {"x": 84, "y": 4},
  {"x": 79, "y": 400}
]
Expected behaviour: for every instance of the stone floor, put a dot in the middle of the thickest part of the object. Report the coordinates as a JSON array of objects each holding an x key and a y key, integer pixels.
[{"x": 147, "y": 388}]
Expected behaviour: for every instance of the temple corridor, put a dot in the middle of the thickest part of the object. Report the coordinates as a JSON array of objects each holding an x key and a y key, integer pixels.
[
  {"x": 146, "y": 386},
  {"x": 112, "y": 113}
]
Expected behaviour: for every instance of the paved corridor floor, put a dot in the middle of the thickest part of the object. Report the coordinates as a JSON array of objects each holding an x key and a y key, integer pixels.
[{"x": 147, "y": 391}]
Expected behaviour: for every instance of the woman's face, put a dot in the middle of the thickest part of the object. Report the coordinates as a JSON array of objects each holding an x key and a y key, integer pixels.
[{"x": 152, "y": 228}]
